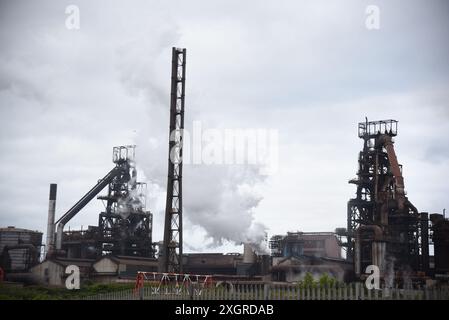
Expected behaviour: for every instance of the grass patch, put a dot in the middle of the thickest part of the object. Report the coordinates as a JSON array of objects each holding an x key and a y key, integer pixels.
[{"x": 33, "y": 292}]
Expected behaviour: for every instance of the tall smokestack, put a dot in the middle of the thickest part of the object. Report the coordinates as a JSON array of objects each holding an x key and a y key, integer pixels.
[{"x": 51, "y": 220}]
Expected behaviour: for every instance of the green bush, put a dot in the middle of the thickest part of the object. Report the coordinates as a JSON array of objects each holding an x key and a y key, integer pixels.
[
  {"x": 324, "y": 281},
  {"x": 327, "y": 281}
]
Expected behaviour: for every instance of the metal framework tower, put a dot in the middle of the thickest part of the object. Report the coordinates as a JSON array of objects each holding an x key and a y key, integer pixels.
[
  {"x": 383, "y": 227},
  {"x": 125, "y": 226},
  {"x": 171, "y": 254}
]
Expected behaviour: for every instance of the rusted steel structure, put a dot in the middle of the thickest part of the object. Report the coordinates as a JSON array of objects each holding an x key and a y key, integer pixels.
[
  {"x": 383, "y": 227},
  {"x": 125, "y": 226},
  {"x": 171, "y": 255}
]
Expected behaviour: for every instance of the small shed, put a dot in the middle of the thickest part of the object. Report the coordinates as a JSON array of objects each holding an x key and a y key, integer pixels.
[
  {"x": 111, "y": 268},
  {"x": 52, "y": 271}
]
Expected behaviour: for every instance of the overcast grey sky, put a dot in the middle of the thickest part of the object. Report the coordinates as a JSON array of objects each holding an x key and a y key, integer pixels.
[{"x": 309, "y": 69}]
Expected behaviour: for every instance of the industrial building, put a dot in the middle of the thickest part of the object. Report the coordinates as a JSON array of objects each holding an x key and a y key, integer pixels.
[
  {"x": 383, "y": 227},
  {"x": 112, "y": 268},
  {"x": 19, "y": 249},
  {"x": 123, "y": 233},
  {"x": 124, "y": 228},
  {"x": 298, "y": 253},
  {"x": 247, "y": 264},
  {"x": 212, "y": 263},
  {"x": 317, "y": 244},
  {"x": 106, "y": 269},
  {"x": 51, "y": 272},
  {"x": 295, "y": 268}
]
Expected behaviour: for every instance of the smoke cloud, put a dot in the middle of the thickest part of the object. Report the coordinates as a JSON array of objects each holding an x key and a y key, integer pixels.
[{"x": 221, "y": 199}]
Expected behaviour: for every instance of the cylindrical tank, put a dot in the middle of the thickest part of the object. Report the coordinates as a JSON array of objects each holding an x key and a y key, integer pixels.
[{"x": 19, "y": 248}]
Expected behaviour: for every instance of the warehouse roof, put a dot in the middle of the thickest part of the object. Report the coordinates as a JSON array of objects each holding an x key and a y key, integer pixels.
[
  {"x": 14, "y": 229},
  {"x": 131, "y": 260},
  {"x": 72, "y": 261}
]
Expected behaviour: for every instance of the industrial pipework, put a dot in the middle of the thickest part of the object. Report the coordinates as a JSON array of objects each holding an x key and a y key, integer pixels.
[{"x": 118, "y": 170}]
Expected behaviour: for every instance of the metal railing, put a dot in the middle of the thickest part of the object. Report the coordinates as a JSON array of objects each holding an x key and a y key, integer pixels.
[{"x": 355, "y": 291}]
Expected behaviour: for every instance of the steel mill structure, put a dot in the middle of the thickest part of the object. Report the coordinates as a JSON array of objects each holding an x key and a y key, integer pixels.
[
  {"x": 384, "y": 228},
  {"x": 439, "y": 234},
  {"x": 124, "y": 228}
]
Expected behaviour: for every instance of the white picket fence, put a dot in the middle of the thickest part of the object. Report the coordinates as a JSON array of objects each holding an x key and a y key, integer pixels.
[{"x": 354, "y": 291}]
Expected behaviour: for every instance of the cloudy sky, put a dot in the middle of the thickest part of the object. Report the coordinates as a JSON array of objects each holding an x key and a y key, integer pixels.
[{"x": 309, "y": 70}]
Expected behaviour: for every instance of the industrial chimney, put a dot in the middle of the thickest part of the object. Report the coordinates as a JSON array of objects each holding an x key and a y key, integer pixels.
[
  {"x": 50, "y": 245},
  {"x": 249, "y": 256}
]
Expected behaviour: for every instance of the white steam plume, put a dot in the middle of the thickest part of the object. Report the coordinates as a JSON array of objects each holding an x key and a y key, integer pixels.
[{"x": 220, "y": 198}]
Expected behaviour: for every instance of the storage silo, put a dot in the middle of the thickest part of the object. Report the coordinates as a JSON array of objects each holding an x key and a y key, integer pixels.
[{"x": 19, "y": 249}]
